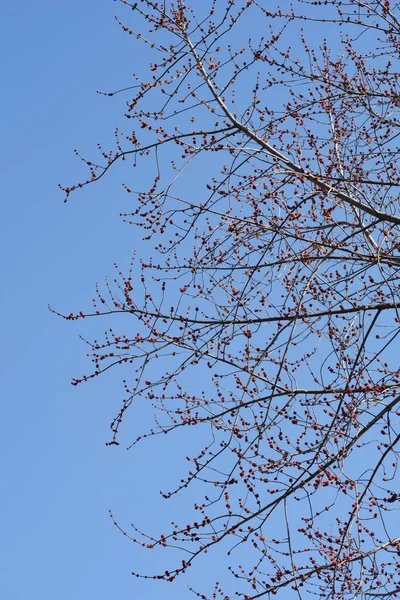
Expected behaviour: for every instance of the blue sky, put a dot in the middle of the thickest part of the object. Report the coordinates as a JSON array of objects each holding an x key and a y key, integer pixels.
[{"x": 59, "y": 479}]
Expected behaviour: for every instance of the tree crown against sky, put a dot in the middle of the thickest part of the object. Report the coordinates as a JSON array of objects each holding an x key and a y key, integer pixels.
[{"x": 260, "y": 310}]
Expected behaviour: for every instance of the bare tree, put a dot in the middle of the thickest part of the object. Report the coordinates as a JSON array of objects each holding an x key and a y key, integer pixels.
[{"x": 263, "y": 299}]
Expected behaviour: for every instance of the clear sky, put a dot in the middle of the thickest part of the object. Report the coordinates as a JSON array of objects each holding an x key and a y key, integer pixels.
[{"x": 58, "y": 477}]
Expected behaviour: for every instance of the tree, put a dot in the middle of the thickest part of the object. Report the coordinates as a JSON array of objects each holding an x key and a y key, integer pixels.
[{"x": 264, "y": 296}]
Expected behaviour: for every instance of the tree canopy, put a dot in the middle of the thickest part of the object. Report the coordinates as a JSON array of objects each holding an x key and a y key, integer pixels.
[{"x": 261, "y": 306}]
